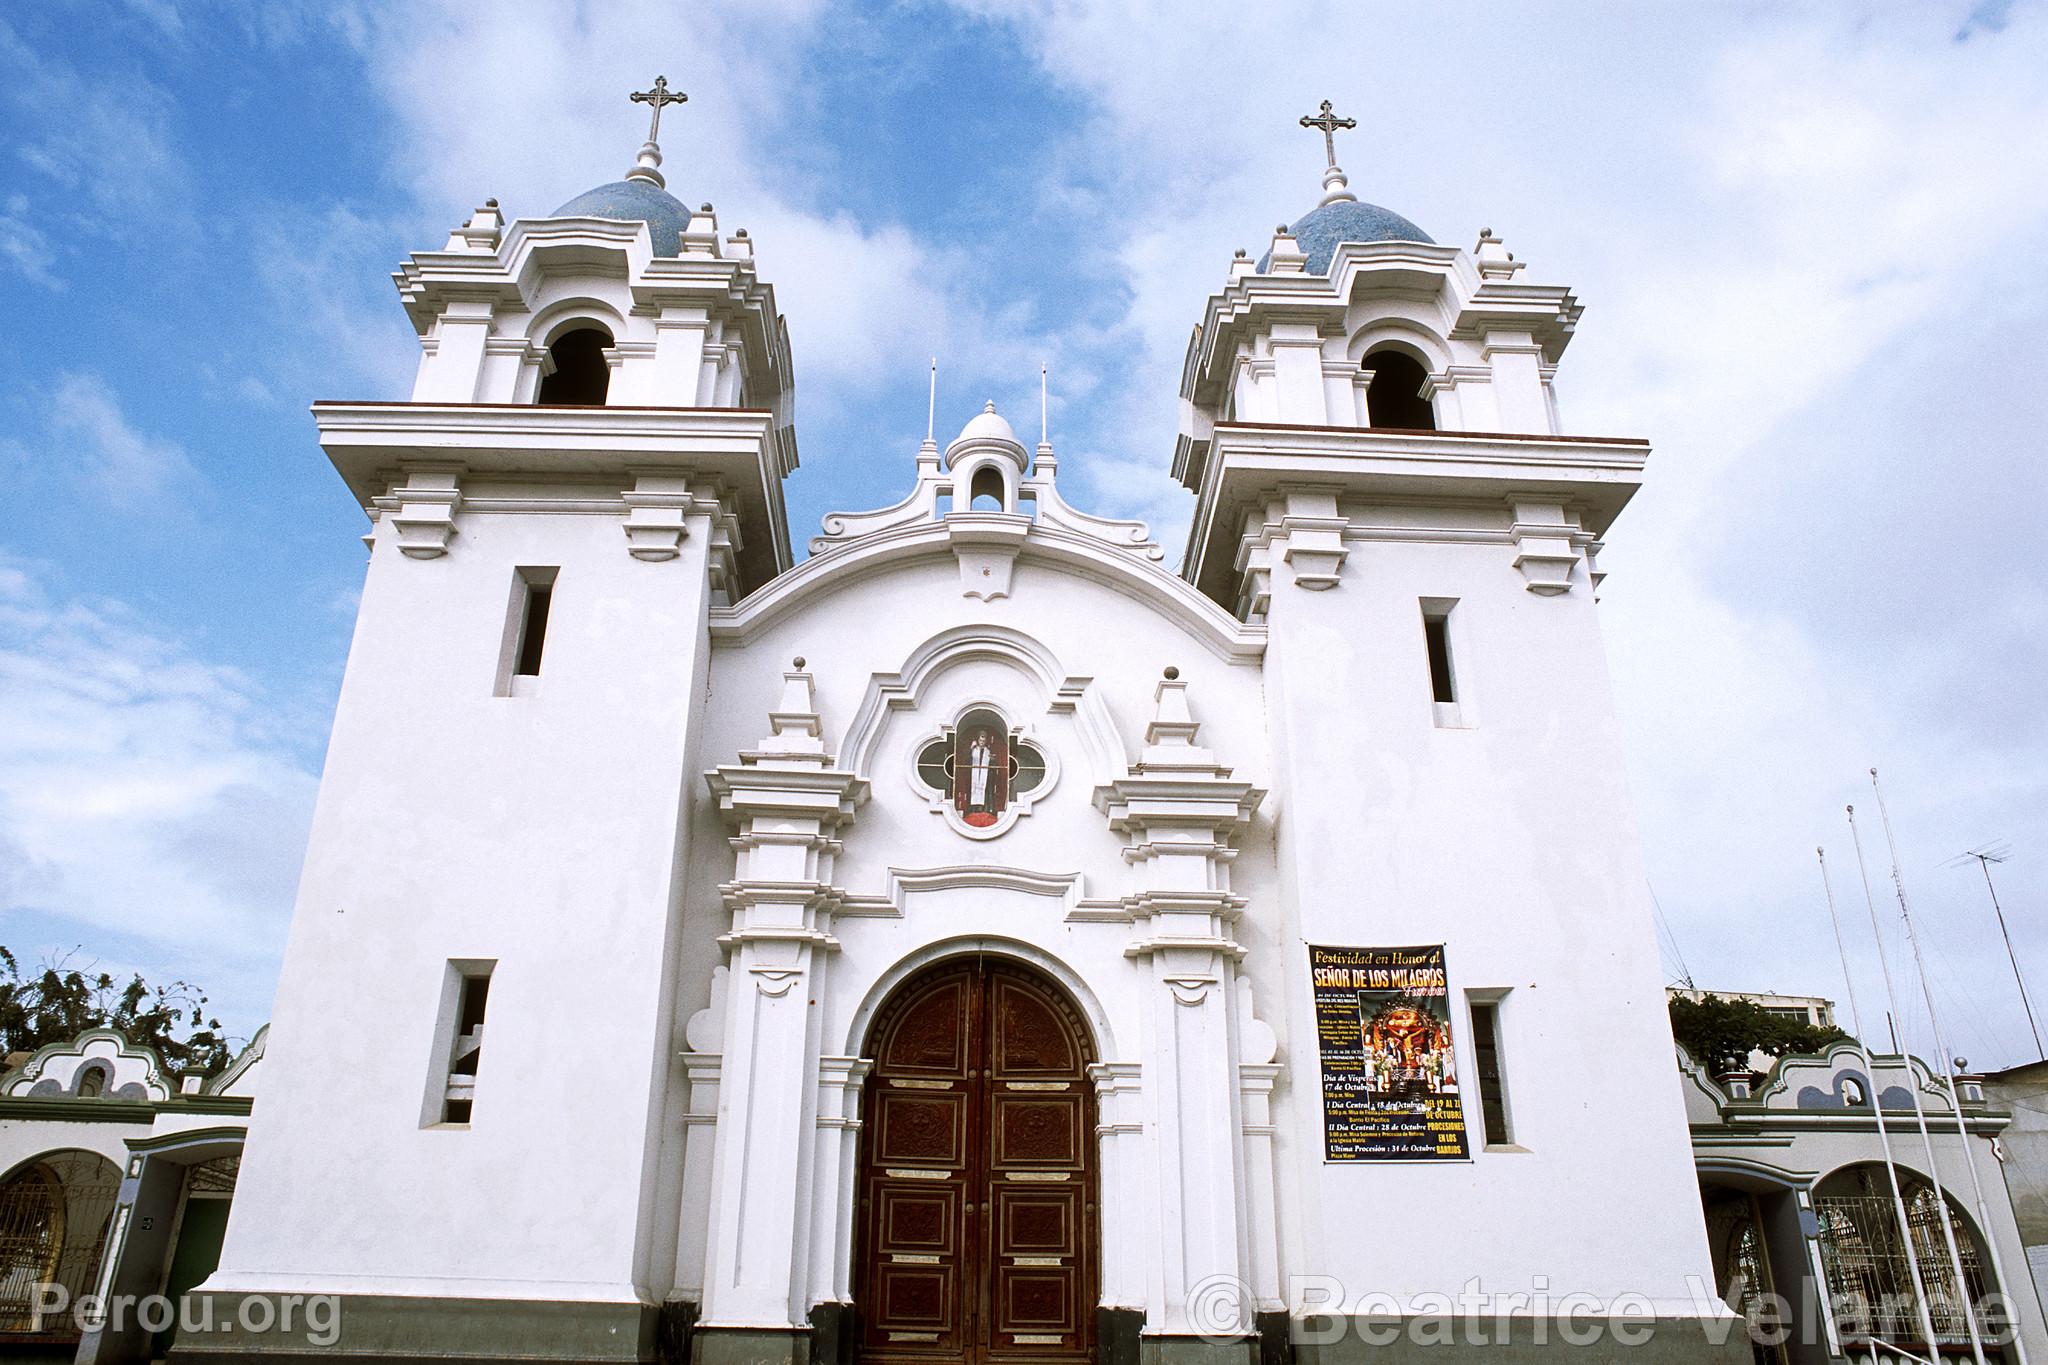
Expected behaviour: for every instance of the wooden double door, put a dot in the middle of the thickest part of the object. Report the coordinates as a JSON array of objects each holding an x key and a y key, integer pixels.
[{"x": 977, "y": 1195}]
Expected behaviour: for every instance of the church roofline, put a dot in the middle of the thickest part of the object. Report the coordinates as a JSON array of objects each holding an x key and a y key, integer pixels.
[
  {"x": 1087, "y": 556},
  {"x": 1238, "y": 464}
]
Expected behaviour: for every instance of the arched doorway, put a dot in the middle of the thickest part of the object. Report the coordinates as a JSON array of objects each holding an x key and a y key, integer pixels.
[
  {"x": 1870, "y": 1278},
  {"x": 976, "y": 1212},
  {"x": 53, "y": 1227}
]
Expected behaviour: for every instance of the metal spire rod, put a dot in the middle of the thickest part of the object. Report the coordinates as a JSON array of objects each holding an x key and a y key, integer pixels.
[
  {"x": 1044, "y": 427},
  {"x": 1948, "y": 1232},
  {"x": 1948, "y": 1067},
  {"x": 931, "y": 407},
  {"x": 1884, "y": 1138}
]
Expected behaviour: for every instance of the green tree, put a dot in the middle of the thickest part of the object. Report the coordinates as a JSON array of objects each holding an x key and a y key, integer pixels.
[
  {"x": 60, "y": 1001},
  {"x": 1720, "y": 1034}
]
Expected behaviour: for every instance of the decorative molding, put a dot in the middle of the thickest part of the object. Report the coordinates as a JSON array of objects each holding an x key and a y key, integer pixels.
[
  {"x": 102, "y": 1045},
  {"x": 1065, "y": 551},
  {"x": 986, "y": 546},
  {"x": 1018, "y": 805},
  {"x": 1064, "y": 887},
  {"x": 1064, "y": 695}
]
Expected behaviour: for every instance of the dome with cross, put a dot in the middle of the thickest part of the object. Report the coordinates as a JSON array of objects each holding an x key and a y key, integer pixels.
[
  {"x": 634, "y": 201},
  {"x": 1342, "y": 217},
  {"x": 642, "y": 197},
  {"x": 1347, "y": 220}
]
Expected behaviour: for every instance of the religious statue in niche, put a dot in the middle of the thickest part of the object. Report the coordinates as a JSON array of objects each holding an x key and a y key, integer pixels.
[{"x": 980, "y": 765}]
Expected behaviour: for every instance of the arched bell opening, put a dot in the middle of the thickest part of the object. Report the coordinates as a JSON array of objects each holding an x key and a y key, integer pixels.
[
  {"x": 578, "y": 374},
  {"x": 976, "y": 1209},
  {"x": 985, "y": 493},
  {"x": 1395, "y": 399}
]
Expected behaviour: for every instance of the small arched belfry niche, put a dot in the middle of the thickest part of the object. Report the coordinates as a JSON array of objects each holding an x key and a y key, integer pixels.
[
  {"x": 576, "y": 372},
  {"x": 977, "y": 1204},
  {"x": 1395, "y": 398}
]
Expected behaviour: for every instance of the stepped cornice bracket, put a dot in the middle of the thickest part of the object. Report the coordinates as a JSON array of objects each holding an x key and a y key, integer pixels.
[
  {"x": 1546, "y": 547},
  {"x": 422, "y": 509},
  {"x": 657, "y": 511}
]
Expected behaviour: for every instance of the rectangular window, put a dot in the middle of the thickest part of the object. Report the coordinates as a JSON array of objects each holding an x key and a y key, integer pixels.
[
  {"x": 1493, "y": 1100},
  {"x": 460, "y": 1040},
  {"x": 526, "y": 629},
  {"x": 533, "y": 631},
  {"x": 1436, "y": 635},
  {"x": 1449, "y": 707}
]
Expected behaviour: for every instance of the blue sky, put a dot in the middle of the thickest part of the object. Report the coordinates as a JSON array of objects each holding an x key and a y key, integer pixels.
[{"x": 1804, "y": 238}]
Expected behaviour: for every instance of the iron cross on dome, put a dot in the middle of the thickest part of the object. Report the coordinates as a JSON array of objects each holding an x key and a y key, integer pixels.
[
  {"x": 661, "y": 95},
  {"x": 1327, "y": 121}
]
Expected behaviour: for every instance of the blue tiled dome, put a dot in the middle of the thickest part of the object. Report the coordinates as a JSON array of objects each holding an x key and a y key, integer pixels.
[
  {"x": 1348, "y": 220},
  {"x": 634, "y": 201}
]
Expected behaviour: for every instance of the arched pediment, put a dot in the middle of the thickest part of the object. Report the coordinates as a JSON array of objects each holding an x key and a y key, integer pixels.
[
  {"x": 1129, "y": 575},
  {"x": 1062, "y": 693}
]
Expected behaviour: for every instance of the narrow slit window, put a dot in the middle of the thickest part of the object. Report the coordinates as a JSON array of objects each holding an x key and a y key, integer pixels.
[
  {"x": 526, "y": 630},
  {"x": 1493, "y": 1104},
  {"x": 1436, "y": 635},
  {"x": 473, "y": 988},
  {"x": 533, "y": 630}
]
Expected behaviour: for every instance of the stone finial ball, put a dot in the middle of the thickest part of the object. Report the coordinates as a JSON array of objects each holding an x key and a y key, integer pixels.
[
  {"x": 1172, "y": 672},
  {"x": 798, "y": 661}
]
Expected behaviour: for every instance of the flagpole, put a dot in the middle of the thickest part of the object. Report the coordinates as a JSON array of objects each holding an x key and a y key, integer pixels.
[
  {"x": 1884, "y": 1139},
  {"x": 1946, "y": 1059},
  {"x": 1948, "y": 1232}
]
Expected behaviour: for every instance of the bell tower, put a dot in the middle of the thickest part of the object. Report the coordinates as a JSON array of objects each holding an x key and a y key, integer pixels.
[
  {"x": 471, "y": 1128},
  {"x": 1384, "y": 484}
]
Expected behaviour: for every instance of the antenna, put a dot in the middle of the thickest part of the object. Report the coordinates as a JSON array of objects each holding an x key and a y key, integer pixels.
[
  {"x": 1984, "y": 857},
  {"x": 931, "y": 407}
]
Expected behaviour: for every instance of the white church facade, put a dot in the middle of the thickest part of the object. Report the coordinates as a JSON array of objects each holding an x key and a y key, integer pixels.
[{"x": 973, "y": 940}]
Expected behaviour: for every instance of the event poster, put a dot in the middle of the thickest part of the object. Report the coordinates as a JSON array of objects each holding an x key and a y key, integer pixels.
[{"x": 1390, "y": 1080}]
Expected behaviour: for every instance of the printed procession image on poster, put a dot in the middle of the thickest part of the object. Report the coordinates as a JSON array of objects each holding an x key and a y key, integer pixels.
[{"x": 1390, "y": 1080}]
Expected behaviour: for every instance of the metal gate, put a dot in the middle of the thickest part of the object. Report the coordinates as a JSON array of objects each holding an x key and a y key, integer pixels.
[
  {"x": 1871, "y": 1283},
  {"x": 53, "y": 1229}
]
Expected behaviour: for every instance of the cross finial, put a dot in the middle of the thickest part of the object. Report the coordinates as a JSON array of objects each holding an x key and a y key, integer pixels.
[
  {"x": 1335, "y": 186},
  {"x": 647, "y": 166},
  {"x": 661, "y": 95},
  {"x": 1327, "y": 121}
]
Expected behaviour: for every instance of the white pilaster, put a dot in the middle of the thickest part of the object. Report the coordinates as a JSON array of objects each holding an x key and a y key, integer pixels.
[
  {"x": 1178, "y": 809},
  {"x": 787, "y": 804}
]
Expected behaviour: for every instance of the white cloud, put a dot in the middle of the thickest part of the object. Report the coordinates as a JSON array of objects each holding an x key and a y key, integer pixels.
[
  {"x": 143, "y": 791},
  {"x": 862, "y": 297},
  {"x": 89, "y": 430},
  {"x": 24, "y": 246},
  {"x": 117, "y": 154},
  {"x": 1797, "y": 233},
  {"x": 344, "y": 334}
]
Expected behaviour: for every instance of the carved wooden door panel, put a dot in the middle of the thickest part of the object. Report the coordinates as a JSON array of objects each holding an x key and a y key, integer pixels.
[{"x": 977, "y": 1191}]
